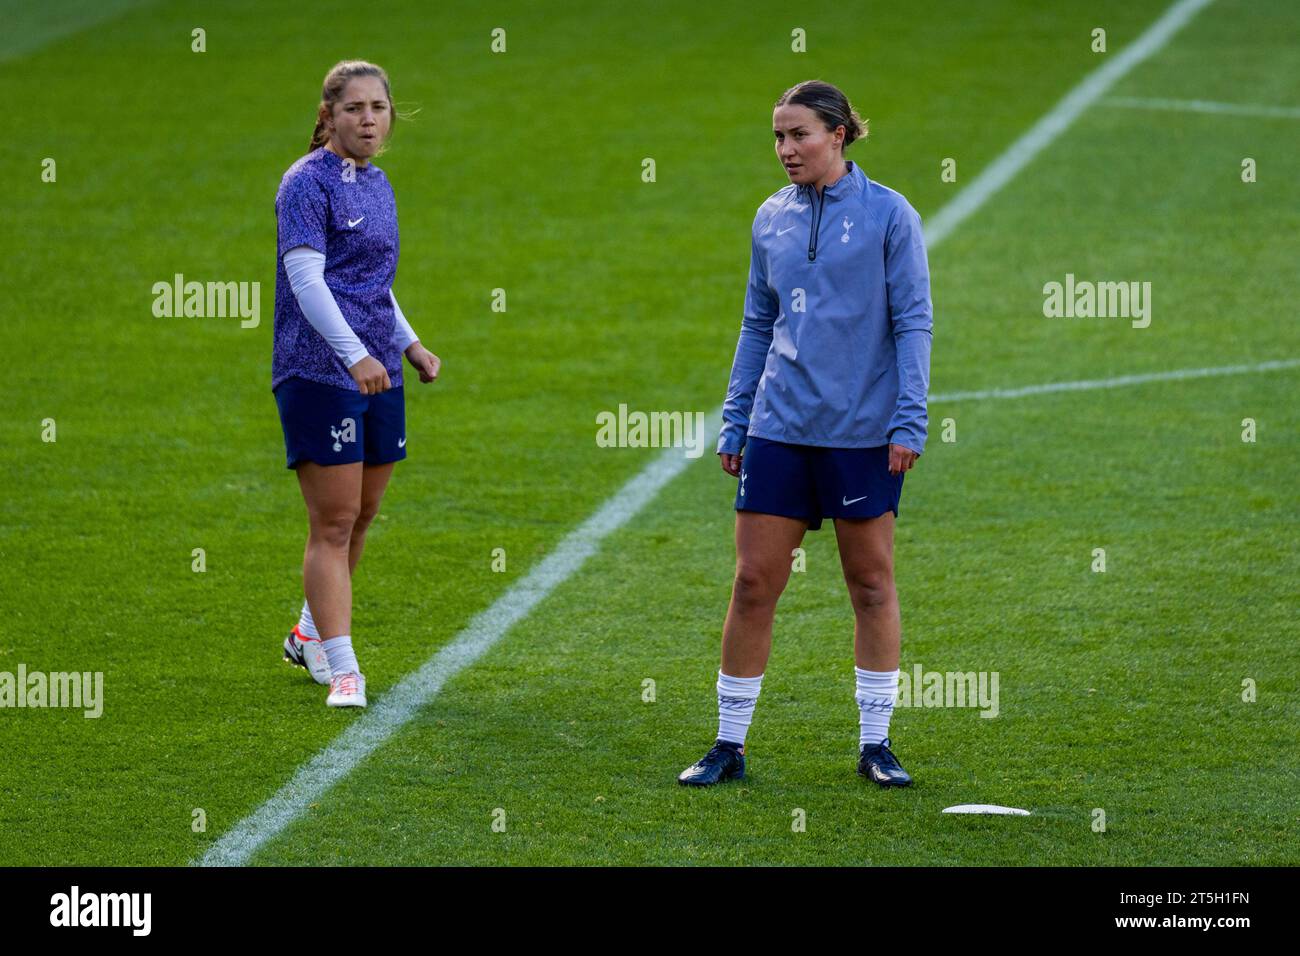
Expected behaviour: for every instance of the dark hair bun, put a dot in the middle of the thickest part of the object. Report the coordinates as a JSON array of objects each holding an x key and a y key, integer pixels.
[{"x": 831, "y": 106}]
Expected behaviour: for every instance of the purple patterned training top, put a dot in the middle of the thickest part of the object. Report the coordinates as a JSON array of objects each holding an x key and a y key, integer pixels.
[{"x": 350, "y": 214}]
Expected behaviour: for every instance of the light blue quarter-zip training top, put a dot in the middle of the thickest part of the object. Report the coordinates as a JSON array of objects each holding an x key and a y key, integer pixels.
[{"x": 834, "y": 346}]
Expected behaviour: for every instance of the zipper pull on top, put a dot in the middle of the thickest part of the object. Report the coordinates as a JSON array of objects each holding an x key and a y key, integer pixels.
[{"x": 817, "y": 221}]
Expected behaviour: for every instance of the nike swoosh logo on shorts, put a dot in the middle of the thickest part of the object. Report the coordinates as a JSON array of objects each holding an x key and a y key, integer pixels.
[
  {"x": 353, "y": 222},
  {"x": 782, "y": 232},
  {"x": 847, "y": 502},
  {"x": 401, "y": 442}
]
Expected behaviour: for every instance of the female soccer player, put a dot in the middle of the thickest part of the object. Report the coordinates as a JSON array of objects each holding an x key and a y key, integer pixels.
[
  {"x": 336, "y": 368},
  {"x": 829, "y": 387}
]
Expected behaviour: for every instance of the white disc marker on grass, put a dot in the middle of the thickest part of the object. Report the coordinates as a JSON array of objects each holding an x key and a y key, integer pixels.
[{"x": 987, "y": 808}]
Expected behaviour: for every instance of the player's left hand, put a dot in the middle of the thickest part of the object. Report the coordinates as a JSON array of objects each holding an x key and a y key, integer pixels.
[
  {"x": 900, "y": 459},
  {"x": 424, "y": 361}
]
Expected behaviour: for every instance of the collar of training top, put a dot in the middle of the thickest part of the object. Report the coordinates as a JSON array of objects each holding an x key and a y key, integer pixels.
[
  {"x": 335, "y": 160},
  {"x": 852, "y": 183}
]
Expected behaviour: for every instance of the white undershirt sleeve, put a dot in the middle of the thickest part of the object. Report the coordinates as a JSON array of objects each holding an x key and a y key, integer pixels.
[
  {"x": 305, "y": 268},
  {"x": 403, "y": 334}
]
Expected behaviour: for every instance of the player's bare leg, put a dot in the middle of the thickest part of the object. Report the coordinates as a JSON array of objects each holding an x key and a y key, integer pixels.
[
  {"x": 374, "y": 481},
  {"x": 867, "y": 559},
  {"x": 763, "y": 560},
  {"x": 333, "y": 496}
]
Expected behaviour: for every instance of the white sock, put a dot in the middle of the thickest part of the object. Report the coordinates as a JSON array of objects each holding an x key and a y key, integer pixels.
[
  {"x": 306, "y": 626},
  {"x": 877, "y": 692},
  {"x": 736, "y": 699},
  {"x": 341, "y": 656}
]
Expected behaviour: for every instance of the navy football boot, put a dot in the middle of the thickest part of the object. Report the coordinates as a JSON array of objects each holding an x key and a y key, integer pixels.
[
  {"x": 877, "y": 762},
  {"x": 724, "y": 761}
]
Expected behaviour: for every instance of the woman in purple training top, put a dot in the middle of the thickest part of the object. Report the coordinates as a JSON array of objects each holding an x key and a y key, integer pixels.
[{"x": 337, "y": 359}]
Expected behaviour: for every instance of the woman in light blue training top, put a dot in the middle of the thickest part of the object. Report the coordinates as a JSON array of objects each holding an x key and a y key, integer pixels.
[
  {"x": 337, "y": 359},
  {"x": 825, "y": 411}
]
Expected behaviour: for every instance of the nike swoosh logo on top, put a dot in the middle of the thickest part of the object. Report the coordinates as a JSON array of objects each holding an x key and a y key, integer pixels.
[
  {"x": 401, "y": 442},
  {"x": 854, "y": 501},
  {"x": 353, "y": 222},
  {"x": 782, "y": 232}
]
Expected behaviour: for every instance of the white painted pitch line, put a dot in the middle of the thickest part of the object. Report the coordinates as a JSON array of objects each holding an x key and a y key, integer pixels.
[
  {"x": 1091, "y": 88},
  {"x": 399, "y": 705},
  {"x": 1117, "y": 382},
  {"x": 1204, "y": 106}
]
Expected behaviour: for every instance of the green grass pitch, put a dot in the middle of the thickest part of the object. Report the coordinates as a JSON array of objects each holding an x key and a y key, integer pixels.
[{"x": 1120, "y": 691}]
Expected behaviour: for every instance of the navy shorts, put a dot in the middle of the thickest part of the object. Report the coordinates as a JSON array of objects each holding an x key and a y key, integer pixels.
[
  {"x": 337, "y": 426},
  {"x": 811, "y": 483}
]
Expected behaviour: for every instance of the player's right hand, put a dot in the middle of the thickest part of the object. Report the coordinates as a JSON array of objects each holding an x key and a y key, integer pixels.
[
  {"x": 371, "y": 376},
  {"x": 731, "y": 464}
]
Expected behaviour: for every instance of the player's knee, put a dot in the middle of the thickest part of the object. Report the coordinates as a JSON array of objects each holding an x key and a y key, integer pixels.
[
  {"x": 364, "y": 517},
  {"x": 334, "y": 527},
  {"x": 755, "y": 586},
  {"x": 869, "y": 589}
]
